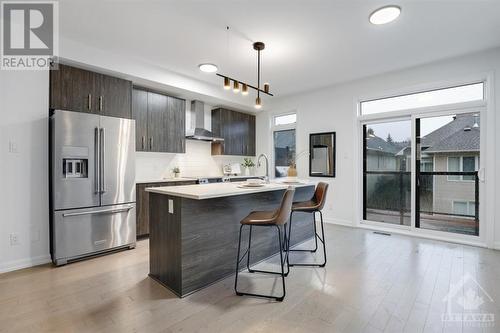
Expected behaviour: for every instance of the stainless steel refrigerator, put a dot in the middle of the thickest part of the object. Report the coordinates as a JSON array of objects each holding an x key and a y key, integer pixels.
[{"x": 92, "y": 185}]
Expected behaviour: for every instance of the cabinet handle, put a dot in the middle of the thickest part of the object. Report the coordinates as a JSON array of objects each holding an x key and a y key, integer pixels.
[
  {"x": 100, "y": 103},
  {"x": 143, "y": 142},
  {"x": 90, "y": 102},
  {"x": 151, "y": 143}
]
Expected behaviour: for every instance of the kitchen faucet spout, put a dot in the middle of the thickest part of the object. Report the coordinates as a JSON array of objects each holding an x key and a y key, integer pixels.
[{"x": 266, "y": 178}]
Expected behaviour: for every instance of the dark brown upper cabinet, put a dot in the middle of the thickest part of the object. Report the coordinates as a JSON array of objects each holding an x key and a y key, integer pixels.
[
  {"x": 238, "y": 131},
  {"x": 73, "y": 89},
  {"x": 140, "y": 114},
  {"x": 115, "y": 98},
  {"x": 160, "y": 122},
  {"x": 76, "y": 89}
]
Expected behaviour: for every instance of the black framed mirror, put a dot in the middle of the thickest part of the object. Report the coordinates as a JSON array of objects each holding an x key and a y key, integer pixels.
[{"x": 322, "y": 149}]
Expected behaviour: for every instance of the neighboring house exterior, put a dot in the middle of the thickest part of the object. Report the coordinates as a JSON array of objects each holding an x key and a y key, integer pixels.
[
  {"x": 454, "y": 147},
  {"x": 382, "y": 156}
]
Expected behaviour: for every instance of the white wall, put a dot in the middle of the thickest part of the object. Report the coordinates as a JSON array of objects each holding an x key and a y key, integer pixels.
[
  {"x": 334, "y": 109},
  {"x": 24, "y": 207}
]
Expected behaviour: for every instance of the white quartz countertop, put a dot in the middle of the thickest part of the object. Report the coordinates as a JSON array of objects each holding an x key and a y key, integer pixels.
[
  {"x": 218, "y": 190},
  {"x": 185, "y": 179},
  {"x": 164, "y": 180}
]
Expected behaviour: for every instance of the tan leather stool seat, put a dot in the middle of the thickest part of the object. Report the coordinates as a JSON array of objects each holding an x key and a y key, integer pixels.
[
  {"x": 259, "y": 217},
  {"x": 305, "y": 206}
]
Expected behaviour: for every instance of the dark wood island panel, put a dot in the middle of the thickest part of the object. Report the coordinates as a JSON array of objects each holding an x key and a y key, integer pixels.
[{"x": 196, "y": 245}]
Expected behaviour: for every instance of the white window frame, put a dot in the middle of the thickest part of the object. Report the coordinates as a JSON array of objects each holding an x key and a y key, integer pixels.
[
  {"x": 487, "y": 193},
  {"x": 283, "y": 115},
  {"x": 277, "y": 128},
  {"x": 425, "y": 92}
]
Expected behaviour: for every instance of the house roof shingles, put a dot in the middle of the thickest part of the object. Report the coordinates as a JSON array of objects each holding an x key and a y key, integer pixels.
[
  {"x": 458, "y": 135},
  {"x": 379, "y": 144}
]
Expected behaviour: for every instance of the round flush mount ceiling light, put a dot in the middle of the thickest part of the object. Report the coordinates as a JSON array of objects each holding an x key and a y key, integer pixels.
[
  {"x": 385, "y": 15},
  {"x": 207, "y": 68}
]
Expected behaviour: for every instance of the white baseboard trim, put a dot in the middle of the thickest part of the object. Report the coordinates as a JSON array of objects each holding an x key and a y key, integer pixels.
[
  {"x": 24, "y": 263},
  {"x": 496, "y": 245},
  {"x": 343, "y": 222},
  {"x": 405, "y": 232}
]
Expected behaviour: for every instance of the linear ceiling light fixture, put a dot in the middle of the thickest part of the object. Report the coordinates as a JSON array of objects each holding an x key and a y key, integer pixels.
[
  {"x": 385, "y": 14},
  {"x": 257, "y": 46}
]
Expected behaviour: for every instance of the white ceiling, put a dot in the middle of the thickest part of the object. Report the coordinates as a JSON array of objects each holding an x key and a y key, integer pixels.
[{"x": 309, "y": 43}]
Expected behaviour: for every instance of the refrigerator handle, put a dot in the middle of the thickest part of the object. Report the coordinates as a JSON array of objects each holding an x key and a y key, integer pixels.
[
  {"x": 97, "y": 155},
  {"x": 102, "y": 211},
  {"x": 103, "y": 143}
]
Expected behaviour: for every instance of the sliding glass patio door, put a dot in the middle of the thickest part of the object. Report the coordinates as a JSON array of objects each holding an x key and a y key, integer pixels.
[
  {"x": 448, "y": 149},
  {"x": 445, "y": 165},
  {"x": 387, "y": 172}
]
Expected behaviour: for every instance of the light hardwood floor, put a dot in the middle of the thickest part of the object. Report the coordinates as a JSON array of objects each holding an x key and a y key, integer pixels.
[{"x": 372, "y": 283}]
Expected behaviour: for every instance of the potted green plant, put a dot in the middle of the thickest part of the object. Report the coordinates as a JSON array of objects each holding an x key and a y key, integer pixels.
[
  {"x": 247, "y": 164},
  {"x": 176, "y": 171}
]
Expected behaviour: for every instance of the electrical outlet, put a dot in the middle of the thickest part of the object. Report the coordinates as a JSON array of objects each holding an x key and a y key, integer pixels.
[
  {"x": 14, "y": 239},
  {"x": 13, "y": 147}
]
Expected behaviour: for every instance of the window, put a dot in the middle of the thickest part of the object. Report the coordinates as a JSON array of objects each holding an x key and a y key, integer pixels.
[
  {"x": 465, "y": 93},
  {"x": 454, "y": 166},
  {"x": 462, "y": 164},
  {"x": 468, "y": 165},
  {"x": 464, "y": 208},
  {"x": 426, "y": 164},
  {"x": 283, "y": 131},
  {"x": 286, "y": 119},
  {"x": 284, "y": 151}
]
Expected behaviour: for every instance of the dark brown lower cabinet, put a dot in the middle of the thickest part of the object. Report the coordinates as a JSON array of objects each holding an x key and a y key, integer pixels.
[{"x": 142, "y": 209}]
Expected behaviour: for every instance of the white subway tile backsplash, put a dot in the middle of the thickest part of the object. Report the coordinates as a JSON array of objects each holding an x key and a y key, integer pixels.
[{"x": 197, "y": 161}]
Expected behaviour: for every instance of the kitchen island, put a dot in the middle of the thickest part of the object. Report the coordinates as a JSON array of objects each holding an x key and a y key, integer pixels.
[{"x": 194, "y": 230}]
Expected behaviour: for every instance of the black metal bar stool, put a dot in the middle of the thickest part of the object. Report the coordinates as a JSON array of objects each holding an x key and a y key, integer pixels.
[
  {"x": 312, "y": 206},
  {"x": 273, "y": 219}
]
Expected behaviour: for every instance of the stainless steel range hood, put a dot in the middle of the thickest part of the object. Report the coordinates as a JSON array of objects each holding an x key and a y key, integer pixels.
[{"x": 199, "y": 131}]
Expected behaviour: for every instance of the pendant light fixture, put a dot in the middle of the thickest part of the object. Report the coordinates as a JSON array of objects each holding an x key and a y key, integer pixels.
[
  {"x": 257, "y": 46},
  {"x": 244, "y": 89},
  {"x": 227, "y": 83},
  {"x": 236, "y": 87}
]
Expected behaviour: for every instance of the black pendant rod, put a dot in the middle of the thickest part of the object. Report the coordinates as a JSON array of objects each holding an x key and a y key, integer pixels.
[
  {"x": 258, "y": 73},
  {"x": 248, "y": 85}
]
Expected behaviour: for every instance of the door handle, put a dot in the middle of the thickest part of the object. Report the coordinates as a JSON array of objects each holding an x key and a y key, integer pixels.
[
  {"x": 89, "y": 102},
  {"x": 151, "y": 143},
  {"x": 143, "y": 142},
  {"x": 100, "y": 103},
  {"x": 102, "y": 211},
  {"x": 97, "y": 156},
  {"x": 480, "y": 175},
  {"x": 102, "y": 163}
]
